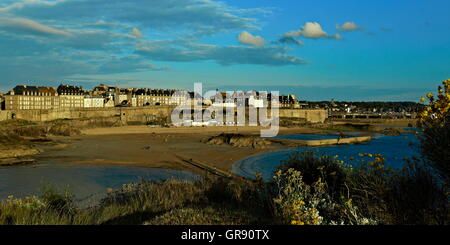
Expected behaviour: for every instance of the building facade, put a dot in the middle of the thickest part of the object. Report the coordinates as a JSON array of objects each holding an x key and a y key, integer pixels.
[
  {"x": 71, "y": 96},
  {"x": 24, "y": 97},
  {"x": 147, "y": 97},
  {"x": 94, "y": 102}
]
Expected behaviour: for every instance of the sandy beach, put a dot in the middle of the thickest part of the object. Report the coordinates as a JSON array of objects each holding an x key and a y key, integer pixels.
[{"x": 155, "y": 147}]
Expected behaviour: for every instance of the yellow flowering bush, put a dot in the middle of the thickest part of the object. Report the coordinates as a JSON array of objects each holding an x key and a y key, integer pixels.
[
  {"x": 434, "y": 121},
  {"x": 298, "y": 203},
  {"x": 438, "y": 109}
]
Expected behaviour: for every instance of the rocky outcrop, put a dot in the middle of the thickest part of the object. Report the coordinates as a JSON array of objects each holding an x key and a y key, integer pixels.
[
  {"x": 238, "y": 140},
  {"x": 393, "y": 131},
  {"x": 64, "y": 130},
  {"x": 13, "y": 147}
]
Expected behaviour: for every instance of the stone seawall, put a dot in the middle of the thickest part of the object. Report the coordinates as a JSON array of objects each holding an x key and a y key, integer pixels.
[
  {"x": 124, "y": 114},
  {"x": 312, "y": 115},
  {"x": 134, "y": 114},
  {"x": 322, "y": 142}
]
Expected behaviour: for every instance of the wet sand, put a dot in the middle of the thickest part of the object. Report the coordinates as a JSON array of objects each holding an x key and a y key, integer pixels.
[{"x": 155, "y": 147}]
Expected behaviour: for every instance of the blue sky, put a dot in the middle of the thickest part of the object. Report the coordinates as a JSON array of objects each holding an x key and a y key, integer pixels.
[{"x": 319, "y": 50}]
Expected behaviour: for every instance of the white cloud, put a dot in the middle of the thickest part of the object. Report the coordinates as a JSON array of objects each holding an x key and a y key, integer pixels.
[
  {"x": 336, "y": 36},
  {"x": 247, "y": 38},
  {"x": 311, "y": 30},
  {"x": 29, "y": 27},
  {"x": 348, "y": 26},
  {"x": 136, "y": 32}
]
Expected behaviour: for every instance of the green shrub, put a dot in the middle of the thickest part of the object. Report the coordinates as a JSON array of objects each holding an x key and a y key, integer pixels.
[
  {"x": 410, "y": 196},
  {"x": 239, "y": 192},
  {"x": 60, "y": 201},
  {"x": 313, "y": 167},
  {"x": 369, "y": 190},
  {"x": 299, "y": 203},
  {"x": 418, "y": 198}
]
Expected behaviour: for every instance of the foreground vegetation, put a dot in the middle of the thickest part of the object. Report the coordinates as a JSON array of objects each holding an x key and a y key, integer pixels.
[{"x": 306, "y": 190}]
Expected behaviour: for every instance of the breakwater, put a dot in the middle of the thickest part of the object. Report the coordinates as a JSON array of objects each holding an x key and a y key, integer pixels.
[{"x": 322, "y": 142}]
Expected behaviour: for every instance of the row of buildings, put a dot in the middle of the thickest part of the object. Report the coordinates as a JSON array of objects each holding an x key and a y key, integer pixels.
[{"x": 24, "y": 97}]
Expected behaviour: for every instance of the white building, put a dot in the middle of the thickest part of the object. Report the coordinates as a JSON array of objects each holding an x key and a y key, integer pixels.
[{"x": 94, "y": 102}]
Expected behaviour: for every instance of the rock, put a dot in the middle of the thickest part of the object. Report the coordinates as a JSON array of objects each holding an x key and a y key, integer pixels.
[
  {"x": 64, "y": 130},
  {"x": 392, "y": 132},
  {"x": 238, "y": 140}
]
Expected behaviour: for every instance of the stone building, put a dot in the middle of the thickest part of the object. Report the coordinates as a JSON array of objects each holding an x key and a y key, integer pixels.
[
  {"x": 146, "y": 97},
  {"x": 71, "y": 96},
  {"x": 24, "y": 97}
]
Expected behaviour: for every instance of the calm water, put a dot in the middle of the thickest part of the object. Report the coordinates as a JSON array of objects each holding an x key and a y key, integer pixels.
[
  {"x": 394, "y": 148},
  {"x": 82, "y": 180}
]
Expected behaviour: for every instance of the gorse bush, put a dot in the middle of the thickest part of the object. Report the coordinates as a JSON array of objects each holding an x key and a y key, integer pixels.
[{"x": 435, "y": 123}]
